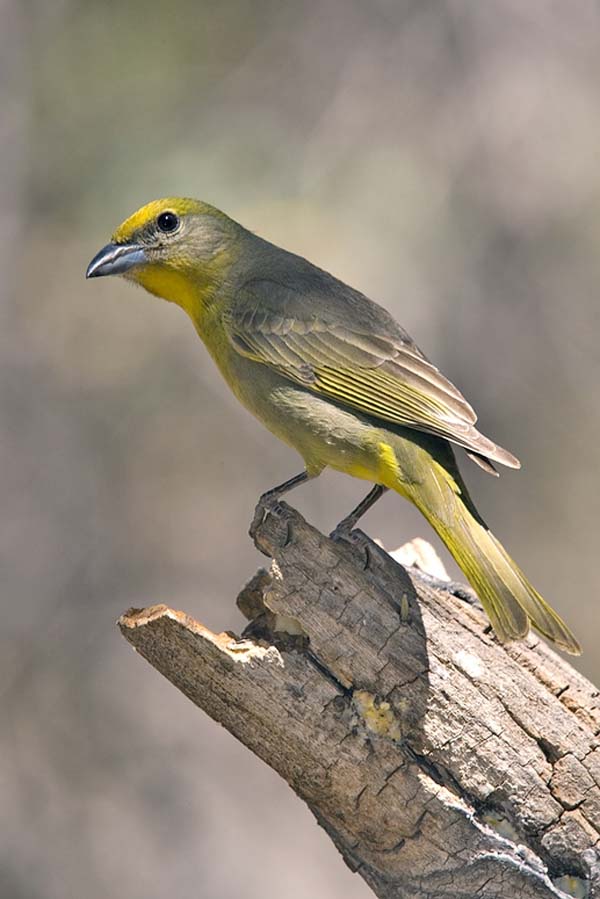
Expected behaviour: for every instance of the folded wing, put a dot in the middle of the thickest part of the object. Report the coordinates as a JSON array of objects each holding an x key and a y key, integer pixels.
[{"x": 343, "y": 346}]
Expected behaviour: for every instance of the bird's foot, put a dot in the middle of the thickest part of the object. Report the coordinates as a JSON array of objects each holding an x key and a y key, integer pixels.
[
  {"x": 267, "y": 502},
  {"x": 355, "y": 538},
  {"x": 345, "y": 529},
  {"x": 269, "y": 505},
  {"x": 339, "y": 533}
]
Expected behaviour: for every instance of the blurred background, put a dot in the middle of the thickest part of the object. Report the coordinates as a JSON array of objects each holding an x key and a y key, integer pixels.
[{"x": 443, "y": 157}]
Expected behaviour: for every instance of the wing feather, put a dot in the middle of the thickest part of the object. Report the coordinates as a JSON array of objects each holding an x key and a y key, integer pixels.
[{"x": 366, "y": 362}]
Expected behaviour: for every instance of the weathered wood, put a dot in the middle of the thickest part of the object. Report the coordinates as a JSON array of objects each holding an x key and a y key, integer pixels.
[{"x": 442, "y": 764}]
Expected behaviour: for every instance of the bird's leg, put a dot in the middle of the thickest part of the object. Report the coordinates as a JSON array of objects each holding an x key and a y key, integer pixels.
[
  {"x": 342, "y": 530},
  {"x": 276, "y": 493}
]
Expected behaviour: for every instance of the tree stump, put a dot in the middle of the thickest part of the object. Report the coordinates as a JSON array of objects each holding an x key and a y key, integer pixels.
[{"x": 442, "y": 764}]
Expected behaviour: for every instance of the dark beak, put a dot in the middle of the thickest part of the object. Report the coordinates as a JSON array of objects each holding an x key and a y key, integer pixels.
[{"x": 115, "y": 259}]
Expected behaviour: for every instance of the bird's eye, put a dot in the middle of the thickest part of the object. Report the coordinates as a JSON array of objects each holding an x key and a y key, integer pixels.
[{"x": 167, "y": 222}]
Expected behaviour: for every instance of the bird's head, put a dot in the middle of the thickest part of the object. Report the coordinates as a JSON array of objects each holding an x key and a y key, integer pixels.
[{"x": 176, "y": 248}]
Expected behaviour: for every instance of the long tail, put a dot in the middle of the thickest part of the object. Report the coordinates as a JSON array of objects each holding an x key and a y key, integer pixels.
[{"x": 510, "y": 601}]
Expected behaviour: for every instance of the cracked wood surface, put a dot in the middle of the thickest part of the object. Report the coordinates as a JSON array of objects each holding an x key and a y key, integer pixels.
[{"x": 442, "y": 764}]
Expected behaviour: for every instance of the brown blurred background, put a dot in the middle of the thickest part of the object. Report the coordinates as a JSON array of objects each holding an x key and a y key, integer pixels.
[{"x": 444, "y": 157}]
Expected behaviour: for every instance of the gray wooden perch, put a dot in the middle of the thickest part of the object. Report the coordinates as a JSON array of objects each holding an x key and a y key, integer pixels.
[{"x": 442, "y": 764}]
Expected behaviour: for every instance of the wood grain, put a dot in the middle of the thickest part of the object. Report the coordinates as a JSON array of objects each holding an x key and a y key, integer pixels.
[{"x": 442, "y": 764}]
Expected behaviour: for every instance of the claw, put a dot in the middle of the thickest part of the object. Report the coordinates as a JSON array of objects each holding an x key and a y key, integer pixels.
[
  {"x": 343, "y": 533},
  {"x": 269, "y": 504},
  {"x": 282, "y": 514},
  {"x": 257, "y": 518}
]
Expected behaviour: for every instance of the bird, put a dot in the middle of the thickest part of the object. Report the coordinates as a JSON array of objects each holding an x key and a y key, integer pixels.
[{"x": 332, "y": 374}]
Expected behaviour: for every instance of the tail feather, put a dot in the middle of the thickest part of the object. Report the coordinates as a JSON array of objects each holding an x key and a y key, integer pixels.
[
  {"x": 542, "y": 616},
  {"x": 510, "y": 601},
  {"x": 507, "y": 596}
]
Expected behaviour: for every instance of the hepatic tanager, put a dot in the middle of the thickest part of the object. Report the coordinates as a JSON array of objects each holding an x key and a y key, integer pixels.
[{"x": 333, "y": 375}]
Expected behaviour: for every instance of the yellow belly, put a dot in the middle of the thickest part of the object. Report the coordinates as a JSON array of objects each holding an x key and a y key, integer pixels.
[{"x": 323, "y": 433}]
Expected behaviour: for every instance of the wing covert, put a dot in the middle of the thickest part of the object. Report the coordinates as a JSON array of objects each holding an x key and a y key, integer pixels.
[{"x": 350, "y": 350}]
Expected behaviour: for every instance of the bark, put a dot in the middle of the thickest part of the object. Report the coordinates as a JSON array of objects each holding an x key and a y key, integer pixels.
[{"x": 442, "y": 764}]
